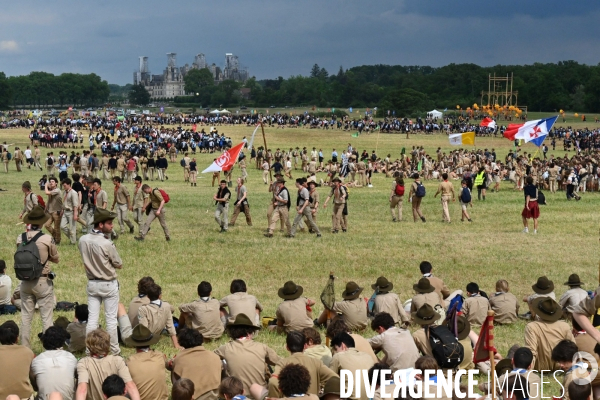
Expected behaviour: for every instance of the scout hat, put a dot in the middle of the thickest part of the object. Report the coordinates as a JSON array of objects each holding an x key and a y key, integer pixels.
[
  {"x": 503, "y": 366},
  {"x": 573, "y": 280},
  {"x": 102, "y": 215},
  {"x": 242, "y": 320},
  {"x": 280, "y": 180},
  {"x": 352, "y": 291},
  {"x": 290, "y": 291},
  {"x": 425, "y": 315},
  {"x": 36, "y": 216},
  {"x": 543, "y": 285},
  {"x": 547, "y": 309},
  {"x": 463, "y": 327},
  {"x": 382, "y": 285},
  {"x": 336, "y": 179},
  {"x": 424, "y": 286},
  {"x": 312, "y": 183},
  {"x": 143, "y": 337},
  {"x": 62, "y": 322},
  {"x": 278, "y": 174}
]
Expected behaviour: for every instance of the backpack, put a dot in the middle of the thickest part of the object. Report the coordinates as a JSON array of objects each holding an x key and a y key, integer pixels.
[
  {"x": 345, "y": 190},
  {"x": 164, "y": 194},
  {"x": 182, "y": 162},
  {"x": 40, "y": 200},
  {"x": 28, "y": 265},
  {"x": 65, "y": 306},
  {"x": 399, "y": 190},
  {"x": 465, "y": 195},
  {"x": 9, "y": 156},
  {"x": 420, "y": 192},
  {"x": 446, "y": 349},
  {"x": 50, "y": 161},
  {"x": 541, "y": 198},
  {"x": 288, "y": 195}
]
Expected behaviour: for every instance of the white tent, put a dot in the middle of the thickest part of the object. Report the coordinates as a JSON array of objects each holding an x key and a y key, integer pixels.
[
  {"x": 215, "y": 111},
  {"x": 225, "y": 111},
  {"x": 435, "y": 114}
]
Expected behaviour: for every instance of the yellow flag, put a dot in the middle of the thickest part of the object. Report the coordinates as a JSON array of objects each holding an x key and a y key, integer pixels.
[
  {"x": 468, "y": 138},
  {"x": 459, "y": 139}
]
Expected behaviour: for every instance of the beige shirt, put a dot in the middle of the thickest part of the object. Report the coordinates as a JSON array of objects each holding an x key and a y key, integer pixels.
[
  {"x": 248, "y": 360},
  {"x": 354, "y": 313},
  {"x": 16, "y": 359},
  {"x": 398, "y": 346},
  {"x": 147, "y": 370},
  {"x": 571, "y": 298},
  {"x": 29, "y": 202},
  {"x": 201, "y": 366},
  {"x": 46, "y": 247},
  {"x": 121, "y": 194},
  {"x": 156, "y": 198},
  {"x": 391, "y": 304},
  {"x": 505, "y": 307},
  {"x": 5, "y": 289},
  {"x": 241, "y": 303},
  {"x": 100, "y": 257},
  {"x": 422, "y": 342},
  {"x": 446, "y": 189},
  {"x": 70, "y": 200},
  {"x": 138, "y": 198},
  {"x": 54, "y": 203},
  {"x": 475, "y": 309},
  {"x": 134, "y": 306},
  {"x": 420, "y": 299},
  {"x": 320, "y": 352},
  {"x": 352, "y": 360},
  {"x": 204, "y": 317},
  {"x": 439, "y": 285},
  {"x": 294, "y": 315},
  {"x": 541, "y": 337},
  {"x": 157, "y": 317},
  {"x": 94, "y": 371},
  {"x": 319, "y": 373}
]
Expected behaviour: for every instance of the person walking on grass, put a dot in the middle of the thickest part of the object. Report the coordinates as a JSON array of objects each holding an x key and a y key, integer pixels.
[
  {"x": 241, "y": 203},
  {"x": 157, "y": 204},
  {"x": 447, "y": 192},
  {"x": 416, "y": 194},
  {"x": 531, "y": 209},
  {"x": 465, "y": 200},
  {"x": 222, "y": 202},
  {"x": 303, "y": 209},
  {"x": 396, "y": 199}
]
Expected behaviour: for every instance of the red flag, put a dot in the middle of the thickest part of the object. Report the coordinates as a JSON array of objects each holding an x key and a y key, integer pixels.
[
  {"x": 487, "y": 121},
  {"x": 512, "y": 130},
  {"x": 483, "y": 347},
  {"x": 226, "y": 160},
  {"x": 194, "y": 128}
]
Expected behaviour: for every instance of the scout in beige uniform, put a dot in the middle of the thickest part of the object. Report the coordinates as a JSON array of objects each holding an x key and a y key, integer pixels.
[
  {"x": 319, "y": 373},
  {"x": 99, "y": 365},
  {"x": 203, "y": 314},
  {"x": 388, "y": 302},
  {"x": 53, "y": 208},
  {"x": 77, "y": 329},
  {"x": 39, "y": 291},
  {"x": 139, "y": 204},
  {"x": 353, "y": 309},
  {"x": 157, "y": 211},
  {"x": 339, "y": 194},
  {"x": 542, "y": 334},
  {"x": 396, "y": 343},
  {"x": 426, "y": 317},
  {"x": 121, "y": 167},
  {"x": 84, "y": 163},
  {"x": 397, "y": 198},
  {"x": 70, "y": 212},
  {"x": 16, "y": 359},
  {"x": 414, "y": 199},
  {"x": 30, "y": 200},
  {"x": 447, "y": 192},
  {"x": 425, "y": 294},
  {"x": 186, "y": 167},
  {"x": 104, "y": 166},
  {"x": 504, "y": 304},
  {"x": 101, "y": 260},
  {"x": 281, "y": 201},
  {"x": 313, "y": 202},
  {"x": 240, "y": 302},
  {"x": 347, "y": 357},
  {"x": 246, "y": 359},
  {"x": 123, "y": 201},
  {"x": 147, "y": 366},
  {"x": 543, "y": 287},
  {"x": 440, "y": 287},
  {"x": 475, "y": 306},
  {"x": 5, "y": 160},
  {"x": 18, "y": 157},
  {"x": 292, "y": 314},
  {"x": 573, "y": 296}
]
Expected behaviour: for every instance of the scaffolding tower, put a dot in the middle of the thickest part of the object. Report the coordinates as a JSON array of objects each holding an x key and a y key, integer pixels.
[{"x": 500, "y": 91}]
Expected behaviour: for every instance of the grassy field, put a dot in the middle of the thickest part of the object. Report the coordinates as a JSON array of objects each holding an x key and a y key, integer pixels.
[{"x": 490, "y": 248}]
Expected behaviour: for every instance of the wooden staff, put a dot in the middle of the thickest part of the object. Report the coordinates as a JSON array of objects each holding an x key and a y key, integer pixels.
[
  {"x": 490, "y": 323},
  {"x": 262, "y": 127},
  {"x": 329, "y": 314}
]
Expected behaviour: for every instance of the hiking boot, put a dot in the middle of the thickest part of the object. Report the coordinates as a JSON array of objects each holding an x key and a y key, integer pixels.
[
  {"x": 344, "y": 230},
  {"x": 167, "y": 238},
  {"x": 423, "y": 219},
  {"x": 139, "y": 238},
  {"x": 287, "y": 235},
  {"x": 269, "y": 235},
  {"x": 526, "y": 316},
  {"x": 319, "y": 235},
  {"x": 131, "y": 230},
  {"x": 394, "y": 220}
]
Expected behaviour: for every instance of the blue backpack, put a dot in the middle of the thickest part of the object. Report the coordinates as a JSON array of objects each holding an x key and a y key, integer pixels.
[
  {"x": 420, "y": 192},
  {"x": 465, "y": 195}
]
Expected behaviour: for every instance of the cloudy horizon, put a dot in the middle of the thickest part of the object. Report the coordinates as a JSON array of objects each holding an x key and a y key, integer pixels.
[{"x": 283, "y": 38}]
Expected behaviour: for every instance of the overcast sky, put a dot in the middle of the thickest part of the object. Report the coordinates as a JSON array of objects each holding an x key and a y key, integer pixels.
[{"x": 283, "y": 38}]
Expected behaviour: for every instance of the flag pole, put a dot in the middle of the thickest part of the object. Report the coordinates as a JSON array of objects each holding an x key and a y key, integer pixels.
[
  {"x": 329, "y": 313},
  {"x": 262, "y": 127},
  {"x": 490, "y": 322}
]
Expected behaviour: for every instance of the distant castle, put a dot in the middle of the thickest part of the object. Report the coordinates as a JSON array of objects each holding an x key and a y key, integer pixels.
[{"x": 170, "y": 83}]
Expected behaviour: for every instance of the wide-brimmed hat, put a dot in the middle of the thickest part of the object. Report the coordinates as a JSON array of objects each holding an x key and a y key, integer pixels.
[
  {"x": 574, "y": 280},
  {"x": 103, "y": 215},
  {"x": 382, "y": 285},
  {"x": 311, "y": 183},
  {"x": 424, "y": 286},
  {"x": 543, "y": 285},
  {"x": 463, "y": 327},
  {"x": 425, "y": 315},
  {"x": 62, "y": 322},
  {"x": 352, "y": 291},
  {"x": 141, "y": 336},
  {"x": 547, "y": 309},
  {"x": 503, "y": 366},
  {"x": 242, "y": 320},
  {"x": 37, "y": 216},
  {"x": 280, "y": 180},
  {"x": 290, "y": 291},
  {"x": 336, "y": 179}
]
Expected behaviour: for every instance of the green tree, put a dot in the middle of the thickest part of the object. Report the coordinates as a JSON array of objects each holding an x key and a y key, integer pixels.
[
  {"x": 314, "y": 72},
  {"x": 139, "y": 95},
  {"x": 406, "y": 102},
  {"x": 198, "y": 80},
  {"x": 5, "y": 92}
]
